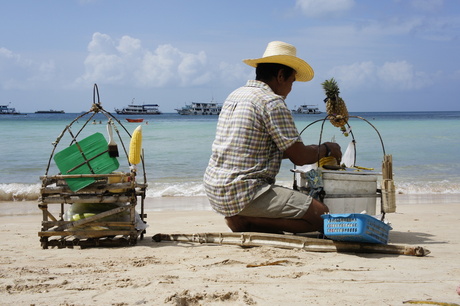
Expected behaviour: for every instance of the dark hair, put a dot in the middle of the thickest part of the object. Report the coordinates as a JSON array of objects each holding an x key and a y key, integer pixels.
[{"x": 268, "y": 71}]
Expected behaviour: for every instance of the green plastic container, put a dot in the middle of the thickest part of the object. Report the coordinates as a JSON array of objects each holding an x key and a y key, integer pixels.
[{"x": 88, "y": 156}]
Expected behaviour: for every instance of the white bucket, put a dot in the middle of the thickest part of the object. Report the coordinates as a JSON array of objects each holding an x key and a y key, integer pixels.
[{"x": 350, "y": 192}]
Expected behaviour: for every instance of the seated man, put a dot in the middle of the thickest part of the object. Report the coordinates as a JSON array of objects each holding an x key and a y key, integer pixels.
[{"x": 255, "y": 131}]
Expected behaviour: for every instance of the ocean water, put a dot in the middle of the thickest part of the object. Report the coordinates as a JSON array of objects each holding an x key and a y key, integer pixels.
[{"x": 424, "y": 146}]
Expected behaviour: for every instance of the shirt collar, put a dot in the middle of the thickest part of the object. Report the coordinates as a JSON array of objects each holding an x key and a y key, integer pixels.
[
  {"x": 262, "y": 85},
  {"x": 258, "y": 84}
]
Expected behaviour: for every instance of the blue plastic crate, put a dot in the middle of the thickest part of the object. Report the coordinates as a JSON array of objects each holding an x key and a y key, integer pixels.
[{"x": 355, "y": 228}]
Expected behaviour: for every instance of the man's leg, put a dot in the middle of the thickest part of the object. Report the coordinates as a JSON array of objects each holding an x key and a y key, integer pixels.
[{"x": 311, "y": 221}]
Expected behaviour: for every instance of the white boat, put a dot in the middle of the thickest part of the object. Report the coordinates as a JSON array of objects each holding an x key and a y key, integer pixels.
[
  {"x": 307, "y": 109},
  {"x": 7, "y": 110},
  {"x": 135, "y": 109},
  {"x": 198, "y": 108}
]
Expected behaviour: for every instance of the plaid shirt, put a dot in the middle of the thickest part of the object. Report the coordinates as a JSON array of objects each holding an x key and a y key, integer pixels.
[{"x": 255, "y": 127}]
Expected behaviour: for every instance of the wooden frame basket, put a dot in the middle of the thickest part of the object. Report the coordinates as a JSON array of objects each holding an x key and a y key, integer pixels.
[{"x": 114, "y": 194}]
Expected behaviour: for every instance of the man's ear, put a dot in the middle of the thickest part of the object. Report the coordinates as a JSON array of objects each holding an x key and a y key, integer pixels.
[{"x": 280, "y": 75}]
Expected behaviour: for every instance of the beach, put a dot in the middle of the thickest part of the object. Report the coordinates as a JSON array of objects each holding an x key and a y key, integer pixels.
[{"x": 181, "y": 273}]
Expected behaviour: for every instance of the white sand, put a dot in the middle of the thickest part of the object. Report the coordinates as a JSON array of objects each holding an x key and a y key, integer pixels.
[{"x": 153, "y": 273}]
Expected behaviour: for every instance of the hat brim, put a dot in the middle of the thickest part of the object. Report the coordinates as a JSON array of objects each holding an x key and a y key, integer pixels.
[{"x": 304, "y": 71}]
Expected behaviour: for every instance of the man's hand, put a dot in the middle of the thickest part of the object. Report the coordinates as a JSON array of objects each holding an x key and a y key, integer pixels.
[{"x": 335, "y": 151}]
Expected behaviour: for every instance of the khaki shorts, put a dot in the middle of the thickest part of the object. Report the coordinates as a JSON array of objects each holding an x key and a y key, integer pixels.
[{"x": 273, "y": 201}]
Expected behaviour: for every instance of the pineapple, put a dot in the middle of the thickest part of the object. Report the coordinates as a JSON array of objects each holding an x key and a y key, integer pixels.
[{"x": 335, "y": 106}]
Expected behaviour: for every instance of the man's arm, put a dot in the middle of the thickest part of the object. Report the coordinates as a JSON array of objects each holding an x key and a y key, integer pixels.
[{"x": 301, "y": 154}]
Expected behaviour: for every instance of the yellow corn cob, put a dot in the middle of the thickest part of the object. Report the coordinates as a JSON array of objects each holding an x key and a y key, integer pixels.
[
  {"x": 363, "y": 168},
  {"x": 135, "y": 146}
]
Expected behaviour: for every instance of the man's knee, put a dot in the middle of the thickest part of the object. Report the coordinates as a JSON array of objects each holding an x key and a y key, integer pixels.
[
  {"x": 237, "y": 223},
  {"x": 317, "y": 208},
  {"x": 313, "y": 215}
]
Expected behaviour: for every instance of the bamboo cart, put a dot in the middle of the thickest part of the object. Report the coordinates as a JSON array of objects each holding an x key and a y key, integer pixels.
[{"x": 92, "y": 183}]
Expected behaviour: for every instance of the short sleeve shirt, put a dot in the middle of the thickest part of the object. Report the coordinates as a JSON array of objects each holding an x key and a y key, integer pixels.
[{"x": 254, "y": 128}]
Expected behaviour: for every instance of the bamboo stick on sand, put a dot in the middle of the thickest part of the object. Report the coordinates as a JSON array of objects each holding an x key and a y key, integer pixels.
[{"x": 252, "y": 239}]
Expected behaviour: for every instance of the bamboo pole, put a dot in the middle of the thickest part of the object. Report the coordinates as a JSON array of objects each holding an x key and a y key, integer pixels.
[
  {"x": 388, "y": 186},
  {"x": 252, "y": 239},
  {"x": 70, "y": 199},
  {"x": 88, "y": 233}
]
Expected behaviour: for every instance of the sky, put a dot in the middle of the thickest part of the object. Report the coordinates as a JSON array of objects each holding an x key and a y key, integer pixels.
[{"x": 386, "y": 55}]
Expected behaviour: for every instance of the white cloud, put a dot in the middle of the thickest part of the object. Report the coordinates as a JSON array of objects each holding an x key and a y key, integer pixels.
[
  {"x": 393, "y": 26},
  {"x": 235, "y": 73},
  {"x": 399, "y": 75},
  {"x": 129, "y": 45},
  {"x": 356, "y": 74},
  {"x": 17, "y": 72},
  {"x": 128, "y": 62},
  {"x": 5, "y": 53},
  {"x": 189, "y": 69},
  {"x": 314, "y": 8},
  {"x": 430, "y": 28},
  {"x": 101, "y": 43},
  {"x": 169, "y": 65},
  {"x": 158, "y": 67},
  {"x": 427, "y": 5},
  {"x": 367, "y": 32}
]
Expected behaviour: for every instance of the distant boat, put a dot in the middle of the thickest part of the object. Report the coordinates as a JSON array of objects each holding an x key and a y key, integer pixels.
[
  {"x": 198, "y": 108},
  {"x": 135, "y": 109},
  {"x": 7, "y": 110},
  {"x": 51, "y": 111},
  {"x": 307, "y": 109},
  {"x": 134, "y": 119}
]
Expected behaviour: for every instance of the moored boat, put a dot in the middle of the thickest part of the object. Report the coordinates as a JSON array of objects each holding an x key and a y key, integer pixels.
[
  {"x": 307, "y": 109},
  {"x": 136, "y": 109},
  {"x": 198, "y": 108},
  {"x": 7, "y": 110},
  {"x": 134, "y": 119},
  {"x": 51, "y": 111}
]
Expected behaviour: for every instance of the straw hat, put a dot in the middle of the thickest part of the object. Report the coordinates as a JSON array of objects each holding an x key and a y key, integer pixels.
[{"x": 283, "y": 53}]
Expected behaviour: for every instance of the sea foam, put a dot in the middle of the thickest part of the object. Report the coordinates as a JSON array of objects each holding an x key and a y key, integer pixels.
[{"x": 31, "y": 192}]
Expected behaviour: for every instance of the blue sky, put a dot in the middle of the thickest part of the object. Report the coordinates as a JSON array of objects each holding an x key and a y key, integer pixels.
[{"x": 387, "y": 55}]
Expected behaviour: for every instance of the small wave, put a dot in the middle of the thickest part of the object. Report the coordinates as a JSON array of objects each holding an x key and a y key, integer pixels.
[
  {"x": 437, "y": 187},
  {"x": 31, "y": 192},
  {"x": 19, "y": 192},
  {"x": 158, "y": 190}
]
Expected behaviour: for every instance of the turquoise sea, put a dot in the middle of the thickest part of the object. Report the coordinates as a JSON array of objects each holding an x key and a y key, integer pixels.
[{"x": 424, "y": 146}]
